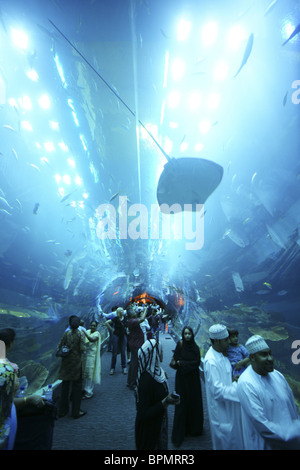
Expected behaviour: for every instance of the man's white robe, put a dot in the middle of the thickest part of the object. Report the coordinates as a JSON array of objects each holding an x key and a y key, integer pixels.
[
  {"x": 269, "y": 414},
  {"x": 224, "y": 408}
]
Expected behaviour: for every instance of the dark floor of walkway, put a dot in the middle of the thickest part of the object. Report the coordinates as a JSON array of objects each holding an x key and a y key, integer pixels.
[{"x": 110, "y": 418}]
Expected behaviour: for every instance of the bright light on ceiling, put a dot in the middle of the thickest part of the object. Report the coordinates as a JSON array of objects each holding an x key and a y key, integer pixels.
[
  {"x": 204, "y": 126},
  {"x": 67, "y": 179},
  {"x": 54, "y": 125},
  {"x": 33, "y": 75},
  {"x": 213, "y": 100},
  {"x": 221, "y": 71},
  {"x": 26, "y": 125},
  {"x": 20, "y": 39},
  {"x": 25, "y": 102},
  {"x": 44, "y": 102},
  {"x": 174, "y": 99},
  {"x": 78, "y": 180},
  {"x": 209, "y": 34},
  {"x": 183, "y": 29},
  {"x": 199, "y": 146},
  {"x": 71, "y": 162},
  {"x": 49, "y": 146},
  {"x": 236, "y": 35},
  {"x": 63, "y": 146},
  {"x": 173, "y": 125},
  {"x": 178, "y": 69},
  {"x": 195, "y": 99}
]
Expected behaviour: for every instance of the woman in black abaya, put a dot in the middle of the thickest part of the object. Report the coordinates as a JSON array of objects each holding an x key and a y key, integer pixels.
[{"x": 188, "y": 418}]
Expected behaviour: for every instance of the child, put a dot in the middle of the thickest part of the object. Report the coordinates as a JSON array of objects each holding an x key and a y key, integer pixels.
[{"x": 237, "y": 354}]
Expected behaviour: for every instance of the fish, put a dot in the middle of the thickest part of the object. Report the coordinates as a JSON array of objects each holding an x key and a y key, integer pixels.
[
  {"x": 246, "y": 53},
  {"x": 282, "y": 292},
  {"x": 36, "y": 207},
  {"x": 15, "y": 154},
  {"x": 4, "y": 202},
  {"x": 253, "y": 177},
  {"x": 34, "y": 166},
  {"x": 68, "y": 253},
  {"x": 4, "y": 211},
  {"x": 19, "y": 204},
  {"x": 68, "y": 277},
  {"x": 114, "y": 196},
  {"x": 239, "y": 286},
  {"x": 67, "y": 196},
  {"x": 6, "y": 126},
  {"x": 270, "y": 7},
  {"x": 275, "y": 237},
  {"x": 285, "y": 99},
  {"x": 239, "y": 240},
  {"x": 268, "y": 285},
  {"x": 294, "y": 33}
]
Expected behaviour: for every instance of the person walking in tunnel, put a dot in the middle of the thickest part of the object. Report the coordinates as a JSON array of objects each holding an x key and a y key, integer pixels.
[
  {"x": 188, "y": 417},
  {"x": 135, "y": 340},
  {"x": 117, "y": 326},
  {"x": 152, "y": 399},
  {"x": 223, "y": 403},
  {"x": 70, "y": 371},
  {"x": 91, "y": 360},
  {"x": 109, "y": 316},
  {"x": 154, "y": 322},
  {"x": 269, "y": 414}
]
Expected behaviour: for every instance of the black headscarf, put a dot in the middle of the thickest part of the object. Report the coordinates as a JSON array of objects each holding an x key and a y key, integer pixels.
[{"x": 189, "y": 349}]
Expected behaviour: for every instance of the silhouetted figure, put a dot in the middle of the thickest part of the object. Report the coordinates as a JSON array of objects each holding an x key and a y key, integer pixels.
[
  {"x": 151, "y": 424},
  {"x": 70, "y": 371},
  {"x": 188, "y": 417}
]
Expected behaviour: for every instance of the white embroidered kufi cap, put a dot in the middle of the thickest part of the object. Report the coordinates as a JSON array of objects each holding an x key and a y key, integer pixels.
[
  {"x": 218, "y": 331},
  {"x": 255, "y": 344}
]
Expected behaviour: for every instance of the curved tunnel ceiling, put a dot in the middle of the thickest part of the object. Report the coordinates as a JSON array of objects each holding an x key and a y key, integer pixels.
[{"x": 59, "y": 165}]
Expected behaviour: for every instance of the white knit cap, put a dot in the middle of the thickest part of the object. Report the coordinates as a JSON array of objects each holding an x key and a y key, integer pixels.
[
  {"x": 218, "y": 331},
  {"x": 255, "y": 344}
]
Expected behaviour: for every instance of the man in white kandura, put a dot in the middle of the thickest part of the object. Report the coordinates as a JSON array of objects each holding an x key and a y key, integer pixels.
[
  {"x": 269, "y": 414},
  {"x": 224, "y": 408}
]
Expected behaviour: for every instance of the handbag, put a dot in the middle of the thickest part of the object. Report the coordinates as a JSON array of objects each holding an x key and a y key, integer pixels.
[
  {"x": 173, "y": 364},
  {"x": 64, "y": 350}
]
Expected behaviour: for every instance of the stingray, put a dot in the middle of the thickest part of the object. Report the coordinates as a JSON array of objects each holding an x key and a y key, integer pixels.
[
  {"x": 184, "y": 181},
  {"x": 187, "y": 182}
]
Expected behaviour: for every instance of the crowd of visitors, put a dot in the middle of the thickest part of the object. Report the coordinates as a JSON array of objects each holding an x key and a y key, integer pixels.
[{"x": 250, "y": 404}]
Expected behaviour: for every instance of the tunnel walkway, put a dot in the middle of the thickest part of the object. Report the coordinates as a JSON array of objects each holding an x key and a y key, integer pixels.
[{"x": 109, "y": 422}]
